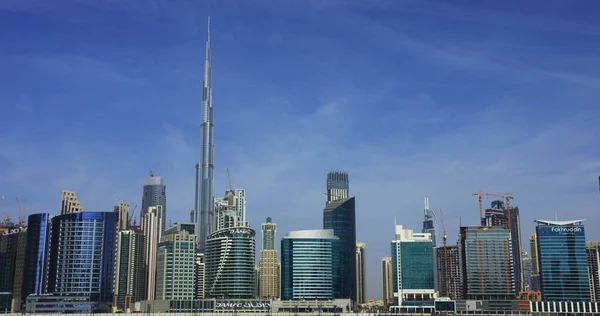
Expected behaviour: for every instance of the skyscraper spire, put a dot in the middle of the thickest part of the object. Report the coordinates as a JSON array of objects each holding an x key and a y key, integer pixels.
[{"x": 204, "y": 205}]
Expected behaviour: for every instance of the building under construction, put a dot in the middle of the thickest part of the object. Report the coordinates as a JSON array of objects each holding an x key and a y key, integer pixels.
[{"x": 448, "y": 272}]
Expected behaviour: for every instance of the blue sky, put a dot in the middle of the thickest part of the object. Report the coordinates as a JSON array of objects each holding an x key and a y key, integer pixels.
[{"x": 412, "y": 98}]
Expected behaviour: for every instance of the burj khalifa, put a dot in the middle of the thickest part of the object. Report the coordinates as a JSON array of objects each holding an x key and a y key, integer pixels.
[{"x": 204, "y": 205}]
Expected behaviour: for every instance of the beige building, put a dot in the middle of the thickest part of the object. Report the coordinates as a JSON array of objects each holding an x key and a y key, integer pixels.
[
  {"x": 70, "y": 203},
  {"x": 152, "y": 228},
  {"x": 269, "y": 269},
  {"x": 387, "y": 284},
  {"x": 361, "y": 273},
  {"x": 123, "y": 210}
]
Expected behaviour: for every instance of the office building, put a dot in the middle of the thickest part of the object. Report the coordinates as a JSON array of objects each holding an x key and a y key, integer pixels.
[
  {"x": 429, "y": 219},
  {"x": 130, "y": 272},
  {"x": 155, "y": 194},
  {"x": 177, "y": 227},
  {"x": 593, "y": 256},
  {"x": 200, "y": 275},
  {"x": 82, "y": 255},
  {"x": 35, "y": 279},
  {"x": 527, "y": 268},
  {"x": 338, "y": 186},
  {"x": 204, "y": 204},
  {"x": 387, "y": 282},
  {"x": 412, "y": 271},
  {"x": 230, "y": 210},
  {"x": 308, "y": 265},
  {"x": 340, "y": 216},
  {"x": 534, "y": 280},
  {"x": 123, "y": 210},
  {"x": 269, "y": 261},
  {"x": 563, "y": 261},
  {"x": 448, "y": 272},
  {"x": 12, "y": 262},
  {"x": 229, "y": 263},
  {"x": 70, "y": 203},
  {"x": 361, "y": 273},
  {"x": 498, "y": 216},
  {"x": 176, "y": 269},
  {"x": 152, "y": 228},
  {"x": 486, "y": 263}
]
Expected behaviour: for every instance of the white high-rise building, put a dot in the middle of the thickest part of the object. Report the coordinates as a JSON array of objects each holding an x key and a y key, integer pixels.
[
  {"x": 152, "y": 228},
  {"x": 230, "y": 210},
  {"x": 361, "y": 273}
]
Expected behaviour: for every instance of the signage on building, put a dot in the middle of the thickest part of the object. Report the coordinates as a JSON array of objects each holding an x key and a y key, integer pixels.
[
  {"x": 233, "y": 232},
  {"x": 562, "y": 230},
  {"x": 227, "y": 305},
  {"x": 11, "y": 231}
]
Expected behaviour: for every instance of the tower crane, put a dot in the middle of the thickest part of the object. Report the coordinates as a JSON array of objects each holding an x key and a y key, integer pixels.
[
  {"x": 507, "y": 196},
  {"x": 132, "y": 215},
  {"x": 21, "y": 212},
  {"x": 445, "y": 240},
  {"x": 6, "y": 215},
  {"x": 153, "y": 171},
  {"x": 229, "y": 181}
]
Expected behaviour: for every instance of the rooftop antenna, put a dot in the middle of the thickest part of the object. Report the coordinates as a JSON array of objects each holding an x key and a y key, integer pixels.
[{"x": 556, "y": 216}]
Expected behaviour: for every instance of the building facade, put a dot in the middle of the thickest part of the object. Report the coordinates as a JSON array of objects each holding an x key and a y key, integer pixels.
[
  {"x": 412, "y": 271},
  {"x": 70, "y": 203},
  {"x": 449, "y": 272},
  {"x": 361, "y": 273},
  {"x": 200, "y": 275},
  {"x": 387, "y": 282},
  {"x": 229, "y": 262},
  {"x": 340, "y": 216},
  {"x": 12, "y": 262},
  {"x": 152, "y": 228},
  {"x": 593, "y": 256},
  {"x": 130, "y": 272},
  {"x": 269, "y": 262},
  {"x": 123, "y": 210},
  {"x": 82, "y": 255},
  {"x": 486, "y": 263},
  {"x": 308, "y": 265},
  {"x": 35, "y": 278},
  {"x": 563, "y": 261},
  {"x": 534, "y": 280},
  {"x": 155, "y": 195},
  {"x": 429, "y": 219},
  {"x": 230, "y": 210},
  {"x": 176, "y": 268},
  {"x": 338, "y": 186}
]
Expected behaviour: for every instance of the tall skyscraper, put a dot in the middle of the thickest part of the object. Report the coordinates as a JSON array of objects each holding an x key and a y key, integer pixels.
[
  {"x": 361, "y": 273},
  {"x": 535, "y": 282},
  {"x": 486, "y": 263},
  {"x": 308, "y": 265},
  {"x": 338, "y": 186},
  {"x": 152, "y": 227},
  {"x": 340, "y": 216},
  {"x": 448, "y": 272},
  {"x": 269, "y": 261},
  {"x": 230, "y": 210},
  {"x": 155, "y": 194},
  {"x": 527, "y": 270},
  {"x": 593, "y": 256},
  {"x": 123, "y": 210},
  {"x": 82, "y": 255},
  {"x": 205, "y": 168},
  {"x": 70, "y": 203},
  {"x": 412, "y": 271},
  {"x": 130, "y": 272},
  {"x": 563, "y": 261},
  {"x": 387, "y": 282},
  {"x": 175, "y": 267},
  {"x": 429, "y": 222},
  {"x": 498, "y": 216},
  {"x": 38, "y": 253}
]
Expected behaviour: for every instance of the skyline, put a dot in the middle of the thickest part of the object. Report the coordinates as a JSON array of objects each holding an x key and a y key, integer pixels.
[{"x": 411, "y": 99}]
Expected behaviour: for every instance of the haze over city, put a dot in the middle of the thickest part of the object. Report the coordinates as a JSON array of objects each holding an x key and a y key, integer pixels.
[{"x": 412, "y": 99}]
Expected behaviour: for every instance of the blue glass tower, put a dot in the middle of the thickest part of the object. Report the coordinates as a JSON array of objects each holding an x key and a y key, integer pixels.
[
  {"x": 38, "y": 248},
  {"x": 82, "y": 255},
  {"x": 563, "y": 261},
  {"x": 340, "y": 215},
  {"x": 309, "y": 260}
]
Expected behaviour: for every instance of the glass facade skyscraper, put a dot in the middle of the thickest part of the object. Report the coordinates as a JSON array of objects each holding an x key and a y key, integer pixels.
[
  {"x": 412, "y": 271},
  {"x": 340, "y": 216},
  {"x": 486, "y": 263},
  {"x": 155, "y": 194},
  {"x": 229, "y": 263},
  {"x": 38, "y": 248},
  {"x": 309, "y": 260},
  {"x": 563, "y": 261},
  {"x": 82, "y": 255},
  {"x": 338, "y": 186}
]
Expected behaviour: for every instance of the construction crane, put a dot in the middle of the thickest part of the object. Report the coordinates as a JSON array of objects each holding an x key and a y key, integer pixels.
[
  {"x": 445, "y": 240},
  {"x": 133, "y": 214},
  {"x": 153, "y": 171},
  {"x": 6, "y": 215},
  {"x": 507, "y": 196},
  {"x": 21, "y": 212},
  {"x": 229, "y": 181}
]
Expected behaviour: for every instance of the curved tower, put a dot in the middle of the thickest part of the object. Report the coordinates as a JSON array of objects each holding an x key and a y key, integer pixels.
[{"x": 204, "y": 205}]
